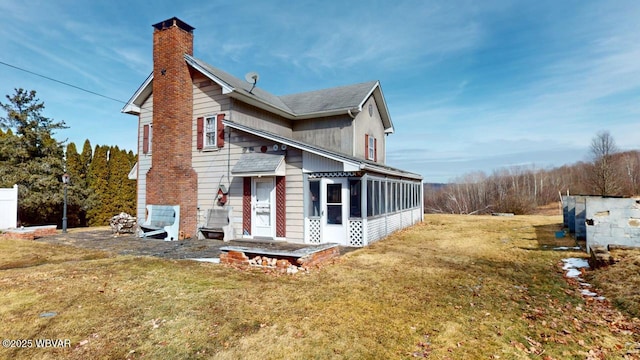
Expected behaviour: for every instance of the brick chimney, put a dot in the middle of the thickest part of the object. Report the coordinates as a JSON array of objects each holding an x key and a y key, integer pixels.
[{"x": 172, "y": 179}]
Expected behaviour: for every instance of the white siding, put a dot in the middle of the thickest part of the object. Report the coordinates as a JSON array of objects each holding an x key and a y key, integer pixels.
[
  {"x": 210, "y": 165},
  {"x": 144, "y": 160},
  {"x": 295, "y": 196},
  {"x": 212, "y": 170},
  {"x": 316, "y": 163},
  {"x": 256, "y": 118},
  {"x": 371, "y": 125},
  {"x": 334, "y": 133},
  {"x": 214, "y": 166}
]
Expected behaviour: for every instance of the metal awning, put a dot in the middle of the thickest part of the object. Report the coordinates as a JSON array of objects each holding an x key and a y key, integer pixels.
[{"x": 260, "y": 164}]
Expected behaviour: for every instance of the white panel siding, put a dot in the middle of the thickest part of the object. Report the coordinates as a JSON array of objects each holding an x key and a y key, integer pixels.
[
  {"x": 316, "y": 163},
  {"x": 371, "y": 125},
  {"x": 394, "y": 223},
  {"x": 375, "y": 229},
  {"x": 144, "y": 160},
  {"x": 417, "y": 216},
  {"x": 382, "y": 226},
  {"x": 295, "y": 195},
  {"x": 256, "y": 118}
]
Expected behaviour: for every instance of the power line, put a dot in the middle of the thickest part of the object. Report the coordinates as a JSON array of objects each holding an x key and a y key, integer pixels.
[{"x": 62, "y": 82}]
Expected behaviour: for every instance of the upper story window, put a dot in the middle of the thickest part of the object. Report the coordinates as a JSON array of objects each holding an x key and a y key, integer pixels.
[
  {"x": 210, "y": 132},
  {"x": 371, "y": 148}
]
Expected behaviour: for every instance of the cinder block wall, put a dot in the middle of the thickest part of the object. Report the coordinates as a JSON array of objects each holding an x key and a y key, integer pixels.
[{"x": 612, "y": 221}]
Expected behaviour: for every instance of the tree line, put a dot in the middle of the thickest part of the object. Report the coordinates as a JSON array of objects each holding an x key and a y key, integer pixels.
[
  {"x": 32, "y": 158},
  {"x": 521, "y": 189}
]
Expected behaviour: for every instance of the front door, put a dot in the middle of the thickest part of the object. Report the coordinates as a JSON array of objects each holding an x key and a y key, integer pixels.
[
  {"x": 263, "y": 207},
  {"x": 334, "y": 210}
]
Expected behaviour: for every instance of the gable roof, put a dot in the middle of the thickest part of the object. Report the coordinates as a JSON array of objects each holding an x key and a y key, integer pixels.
[
  {"x": 343, "y": 97},
  {"x": 341, "y": 100}
]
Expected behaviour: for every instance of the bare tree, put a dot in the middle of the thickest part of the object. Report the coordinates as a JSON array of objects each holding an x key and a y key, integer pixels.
[{"x": 603, "y": 176}]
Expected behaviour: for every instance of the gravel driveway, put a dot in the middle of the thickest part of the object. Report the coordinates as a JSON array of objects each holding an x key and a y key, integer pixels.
[{"x": 128, "y": 244}]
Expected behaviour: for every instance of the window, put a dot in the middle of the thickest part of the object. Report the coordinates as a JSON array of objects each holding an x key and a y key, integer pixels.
[
  {"x": 210, "y": 131},
  {"x": 369, "y": 198},
  {"x": 405, "y": 196},
  {"x": 355, "y": 191},
  {"x": 376, "y": 198},
  {"x": 314, "y": 197},
  {"x": 383, "y": 197},
  {"x": 334, "y": 204},
  {"x": 372, "y": 148}
]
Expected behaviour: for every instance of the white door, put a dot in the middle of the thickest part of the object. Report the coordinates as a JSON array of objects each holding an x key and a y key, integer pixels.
[
  {"x": 334, "y": 203},
  {"x": 263, "y": 207}
]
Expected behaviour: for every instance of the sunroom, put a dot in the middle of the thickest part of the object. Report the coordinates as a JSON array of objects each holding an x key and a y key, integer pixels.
[
  {"x": 359, "y": 208},
  {"x": 347, "y": 200}
]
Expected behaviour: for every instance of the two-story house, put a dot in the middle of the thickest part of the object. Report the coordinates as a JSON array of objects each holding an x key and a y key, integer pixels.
[{"x": 303, "y": 168}]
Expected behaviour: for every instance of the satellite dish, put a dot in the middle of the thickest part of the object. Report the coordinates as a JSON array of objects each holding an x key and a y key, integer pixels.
[{"x": 252, "y": 77}]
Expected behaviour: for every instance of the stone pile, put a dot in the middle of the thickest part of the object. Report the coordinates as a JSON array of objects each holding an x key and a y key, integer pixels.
[
  {"x": 281, "y": 265},
  {"x": 123, "y": 223},
  {"x": 289, "y": 262}
]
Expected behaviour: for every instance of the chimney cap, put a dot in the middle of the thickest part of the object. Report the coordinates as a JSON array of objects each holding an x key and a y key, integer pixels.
[{"x": 174, "y": 21}]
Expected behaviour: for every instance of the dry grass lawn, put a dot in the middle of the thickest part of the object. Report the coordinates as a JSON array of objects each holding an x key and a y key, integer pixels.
[{"x": 454, "y": 287}]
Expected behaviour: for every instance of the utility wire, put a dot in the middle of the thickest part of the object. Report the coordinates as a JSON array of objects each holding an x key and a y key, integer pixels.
[{"x": 62, "y": 82}]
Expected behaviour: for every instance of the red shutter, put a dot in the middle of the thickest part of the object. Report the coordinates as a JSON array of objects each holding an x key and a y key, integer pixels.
[
  {"x": 220, "y": 130},
  {"x": 281, "y": 206},
  {"x": 200, "y": 133},
  {"x": 375, "y": 149},
  {"x": 246, "y": 206},
  {"x": 145, "y": 139},
  {"x": 366, "y": 146}
]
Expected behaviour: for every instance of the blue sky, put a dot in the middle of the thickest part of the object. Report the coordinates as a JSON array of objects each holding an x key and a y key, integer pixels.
[{"x": 470, "y": 85}]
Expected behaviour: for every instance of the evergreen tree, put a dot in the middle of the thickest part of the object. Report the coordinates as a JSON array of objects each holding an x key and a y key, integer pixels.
[
  {"x": 79, "y": 191},
  {"x": 98, "y": 181},
  {"x": 120, "y": 187},
  {"x": 85, "y": 159},
  {"x": 31, "y": 158}
]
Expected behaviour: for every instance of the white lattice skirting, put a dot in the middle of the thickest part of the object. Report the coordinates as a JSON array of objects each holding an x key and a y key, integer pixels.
[
  {"x": 314, "y": 231},
  {"x": 356, "y": 236}
]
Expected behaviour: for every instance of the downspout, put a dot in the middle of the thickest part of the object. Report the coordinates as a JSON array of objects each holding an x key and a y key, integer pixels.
[
  {"x": 228, "y": 133},
  {"x": 353, "y": 112}
]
